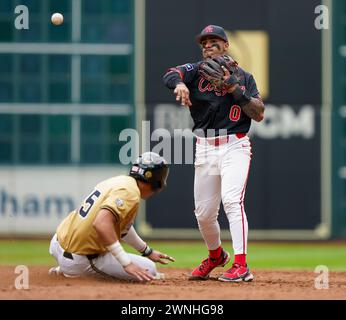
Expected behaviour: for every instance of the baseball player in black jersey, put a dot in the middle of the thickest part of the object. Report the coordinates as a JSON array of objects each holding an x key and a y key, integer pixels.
[{"x": 222, "y": 118}]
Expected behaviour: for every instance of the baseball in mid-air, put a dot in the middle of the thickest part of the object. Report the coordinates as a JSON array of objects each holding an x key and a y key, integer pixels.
[{"x": 57, "y": 18}]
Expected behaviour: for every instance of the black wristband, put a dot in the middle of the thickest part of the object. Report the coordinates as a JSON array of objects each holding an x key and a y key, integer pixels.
[
  {"x": 174, "y": 80},
  {"x": 242, "y": 97},
  {"x": 147, "y": 251}
]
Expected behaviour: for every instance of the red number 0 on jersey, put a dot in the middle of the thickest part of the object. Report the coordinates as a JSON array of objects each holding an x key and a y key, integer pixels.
[{"x": 235, "y": 112}]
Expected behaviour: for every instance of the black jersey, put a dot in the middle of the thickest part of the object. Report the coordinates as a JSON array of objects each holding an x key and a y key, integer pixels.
[{"x": 211, "y": 110}]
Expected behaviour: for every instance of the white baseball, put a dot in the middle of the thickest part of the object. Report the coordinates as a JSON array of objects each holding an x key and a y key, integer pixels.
[{"x": 57, "y": 18}]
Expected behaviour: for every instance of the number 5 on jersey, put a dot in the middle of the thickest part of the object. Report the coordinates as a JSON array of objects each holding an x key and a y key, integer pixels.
[{"x": 88, "y": 203}]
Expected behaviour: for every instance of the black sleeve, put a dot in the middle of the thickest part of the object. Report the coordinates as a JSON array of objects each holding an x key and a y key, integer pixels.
[
  {"x": 251, "y": 86},
  {"x": 184, "y": 73}
]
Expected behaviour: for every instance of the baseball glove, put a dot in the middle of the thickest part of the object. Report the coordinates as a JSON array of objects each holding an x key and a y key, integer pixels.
[{"x": 211, "y": 70}]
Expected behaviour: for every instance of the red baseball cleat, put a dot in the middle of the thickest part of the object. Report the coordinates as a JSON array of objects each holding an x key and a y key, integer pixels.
[
  {"x": 208, "y": 265},
  {"x": 237, "y": 273}
]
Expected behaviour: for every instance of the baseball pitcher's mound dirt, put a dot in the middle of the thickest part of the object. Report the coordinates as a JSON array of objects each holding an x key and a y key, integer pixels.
[{"x": 273, "y": 284}]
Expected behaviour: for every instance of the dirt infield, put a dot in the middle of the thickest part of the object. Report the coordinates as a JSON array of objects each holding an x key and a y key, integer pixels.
[{"x": 267, "y": 285}]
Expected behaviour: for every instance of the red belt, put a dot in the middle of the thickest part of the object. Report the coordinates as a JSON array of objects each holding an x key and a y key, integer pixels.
[{"x": 220, "y": 140}]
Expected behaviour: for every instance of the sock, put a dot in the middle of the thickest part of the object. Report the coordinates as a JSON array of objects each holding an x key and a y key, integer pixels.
[
  {"x": 240, "y": 259},
  {"x": 214, "y": 254}
]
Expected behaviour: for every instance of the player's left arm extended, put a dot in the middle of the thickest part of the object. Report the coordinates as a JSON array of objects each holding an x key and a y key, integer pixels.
[{"x": 133, "y": 239}]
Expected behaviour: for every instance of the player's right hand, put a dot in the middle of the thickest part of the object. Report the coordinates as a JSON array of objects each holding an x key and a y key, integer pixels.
[
  {"x": 140, "y": 273},
  {"x": 182, "y": 94}
]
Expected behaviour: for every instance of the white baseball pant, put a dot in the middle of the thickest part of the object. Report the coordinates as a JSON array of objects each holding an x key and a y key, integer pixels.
[
  {"x": 104, "y": 264},
  {"x": 221, "y": 173}
]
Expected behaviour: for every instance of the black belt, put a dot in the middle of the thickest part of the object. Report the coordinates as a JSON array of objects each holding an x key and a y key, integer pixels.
[
  {"x": 92, "y": 256},
  {"x": 69, "y": 255}
]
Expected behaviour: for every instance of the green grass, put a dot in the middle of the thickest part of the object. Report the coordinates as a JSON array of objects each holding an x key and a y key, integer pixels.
[
  {"x": 187, "y": 254},
  {"x": 27, "y": 252}
]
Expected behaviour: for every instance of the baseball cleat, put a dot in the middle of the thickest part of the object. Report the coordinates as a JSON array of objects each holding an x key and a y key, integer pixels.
[
  {"x": 55, "y": 270},
  {"x": 237, "y": 273},
  {"x": 208, "y": 265}
]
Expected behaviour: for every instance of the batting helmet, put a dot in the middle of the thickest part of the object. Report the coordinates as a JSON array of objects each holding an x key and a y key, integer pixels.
[{"x": 151, "y": 168}]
